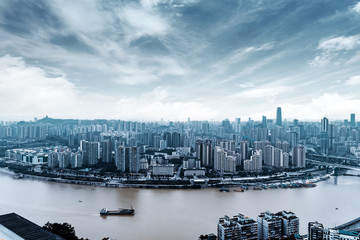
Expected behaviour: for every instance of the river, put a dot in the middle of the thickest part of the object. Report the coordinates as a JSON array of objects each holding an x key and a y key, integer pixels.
[{"x": 171, "y": 214}]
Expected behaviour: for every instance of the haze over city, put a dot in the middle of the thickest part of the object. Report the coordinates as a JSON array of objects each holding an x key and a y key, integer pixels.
[{"x": 147, "y": 60}]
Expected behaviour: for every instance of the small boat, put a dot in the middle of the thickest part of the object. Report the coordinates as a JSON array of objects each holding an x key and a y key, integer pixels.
[
  {"x": 18, "y": 176},
  {"x": 120, "y": 211},
  {"x": 308, "y": 185},
  {"x": 238, "y": 190},
  {"x": 224, "y": 190}
]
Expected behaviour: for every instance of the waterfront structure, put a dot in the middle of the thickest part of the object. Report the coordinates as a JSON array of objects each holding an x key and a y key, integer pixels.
[
  {"x": 32, "y": 156},
  {"x": 237, "y": 228},
  {"x": 315, "y": 231},
  {"x": 298, "y": 156},
  {"x": 278, "y": 117},
  {"x": 163, "y": 170},
  {"x": 128, "y": 159}
]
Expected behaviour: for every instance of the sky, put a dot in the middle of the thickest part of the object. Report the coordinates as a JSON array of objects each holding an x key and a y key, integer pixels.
[{"x": 154, "y": 59}]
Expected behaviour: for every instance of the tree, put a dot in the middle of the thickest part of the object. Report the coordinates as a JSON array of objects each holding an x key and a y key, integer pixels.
[{"x": 64, "y": 230}]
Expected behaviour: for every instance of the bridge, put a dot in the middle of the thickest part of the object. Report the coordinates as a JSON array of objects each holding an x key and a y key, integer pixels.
[
  {"x": 335, "y": 165},
  {"x": 332, "y": 158}
]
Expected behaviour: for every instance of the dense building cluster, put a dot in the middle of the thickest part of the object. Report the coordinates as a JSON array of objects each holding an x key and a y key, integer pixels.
[
  {"x": 219, "y": 147},
  {"x": 268, "y": 226},
  {"x": 280, "y": 225}
]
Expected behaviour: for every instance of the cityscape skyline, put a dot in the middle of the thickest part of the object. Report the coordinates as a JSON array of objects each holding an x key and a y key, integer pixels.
[
  {"x": 148, "y": 60},
  {"x": 277, "y": 119}
]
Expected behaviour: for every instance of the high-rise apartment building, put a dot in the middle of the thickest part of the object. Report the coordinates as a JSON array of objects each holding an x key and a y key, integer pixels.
[
  {"x": 128, "y": 159},
  {"x": 299, "y": 156},
  {"x": 106, "y": 151},
  {"x": 269, "y": 226},
  {"x": 290, "y": 223},
  {"x": 315, "y": 231},
  {"x": 269, "y": 155},
  {"x": 237, "y": 228},
  {"x": 204, "y": 152},
  {"x": 278, "y": 157},
  {"x": 254, "y": 164},
  {"x": 277, "y": 225},
  {"x": 244, "y": 148},
  {"x": 90, "y": 151}
]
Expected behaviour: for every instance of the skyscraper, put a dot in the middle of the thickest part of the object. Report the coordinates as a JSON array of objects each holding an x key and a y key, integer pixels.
[
  {"x": 278, "y": 117},
  {"x": 324, "y": 124},
  {"x": 264, "y": 123},
  {"x": 352, "y": 119}
]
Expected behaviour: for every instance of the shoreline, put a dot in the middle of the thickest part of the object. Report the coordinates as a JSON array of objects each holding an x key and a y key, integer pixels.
[{"x": 263, "y": 182}]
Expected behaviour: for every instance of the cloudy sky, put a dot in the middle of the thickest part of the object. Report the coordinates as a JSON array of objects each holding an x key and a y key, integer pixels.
[{"x": 153, "y": 59}]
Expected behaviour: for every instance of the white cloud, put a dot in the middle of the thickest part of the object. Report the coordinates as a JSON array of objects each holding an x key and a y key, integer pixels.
[
  {"x": 143, "y": 22},
  {"x": 27, "y": 90},
  {"x": 331, "y": 47},
  {"x": 242, "y": 53},
  {"x": 354, "y": 80},
  {"x": 155, "y": 105},
  {"x": 332, "y": 105},
  {"x": 264, "y": 92},
  {"x": 321, "y": 60},
  {"x": 340, "y": 43},
  {"x": 356, "y": 8}
]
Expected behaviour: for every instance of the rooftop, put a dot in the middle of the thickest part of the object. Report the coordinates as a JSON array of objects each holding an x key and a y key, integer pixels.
[{"x": 24, "y": 228}]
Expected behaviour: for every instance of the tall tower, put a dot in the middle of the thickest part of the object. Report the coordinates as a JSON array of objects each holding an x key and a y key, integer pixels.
[
  {"x": 324, "y": 124},
  {"x": 352, "y": 119},
  {"x": 278, "y": 117}
]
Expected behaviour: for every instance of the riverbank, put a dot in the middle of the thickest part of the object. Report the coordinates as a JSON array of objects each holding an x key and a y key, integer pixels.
[{"x": 284, "y": 180}]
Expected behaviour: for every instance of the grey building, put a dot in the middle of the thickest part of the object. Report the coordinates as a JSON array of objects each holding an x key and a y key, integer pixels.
[{"x": 237, "y": 228}]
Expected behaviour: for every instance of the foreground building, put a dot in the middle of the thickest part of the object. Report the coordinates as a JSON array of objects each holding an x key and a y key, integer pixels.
[
  {"x": 315, "y": 231},
  {"x": 237, "y": 228},
  {"x": 15, "y": 227},
  {"x": 277, "y": 225}
]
